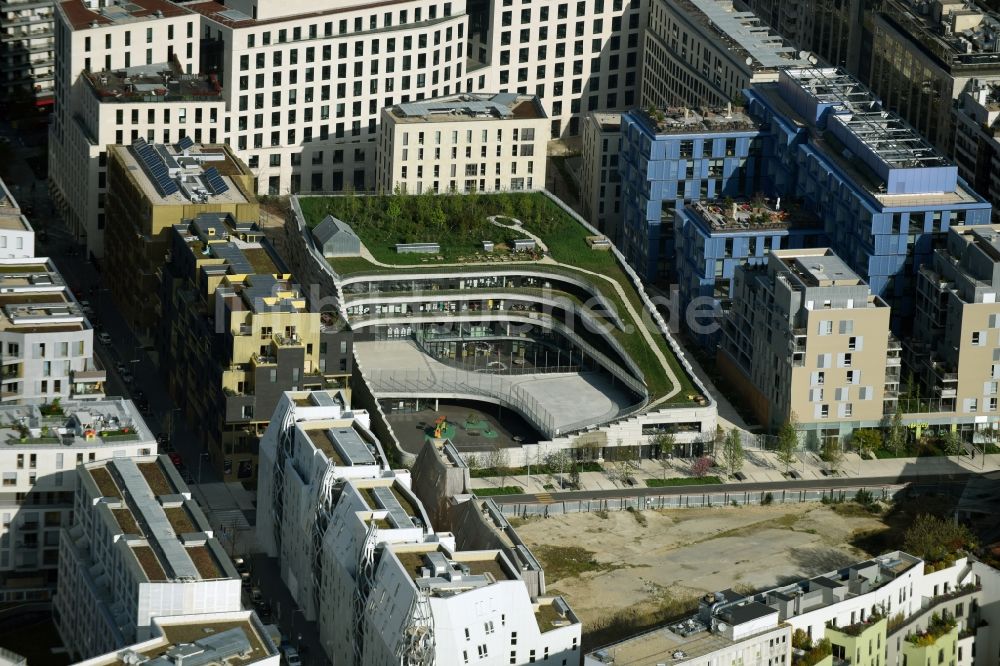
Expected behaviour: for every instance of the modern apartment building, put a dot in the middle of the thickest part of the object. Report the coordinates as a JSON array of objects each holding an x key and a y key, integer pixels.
[
  {"x": 43, "y": 448},
  {"x": 928, "y": 52},
  {"x": 139, "y": 548},
  {"x": 887, "y": 610},
  {"x": 17, "y": 238},
  {"x": 883, "y": 193},
  {"x": 382, "y": 585},
  {"x": 977, "y": 146},
  {"x": 705, "y": 52},
  {"x": 805, "y": 340},
  {"x": 152, "y": 187},
  {"x": 235, "y": 332},
  {"x": 464, "y": 143},
  {"x": 954, "y": 353},
  {"x": 675, "y": 155},
  {"x": 715, "y": 237},
  {"x": 46, "y": 342},
  {"x": 600, "y": 178},
  {"x": 123, "y": 71},
  {"x": 26, "y": 50},
  {"x": 236, "y": 637},
  {"x": 728, "y": 628},
  {"x": 838, "y": 33},
  {"x": 305, "y": 83},
  {"x": 576, "y": 57}
]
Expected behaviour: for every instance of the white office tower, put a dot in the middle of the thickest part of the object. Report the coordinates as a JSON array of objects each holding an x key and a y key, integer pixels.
[
  {"x": 123, "y": 71},
  {"x": 359, "y": 556},
  {"x": 139, "y": 548},
  {"x": 577, "y": 56},
  {"x": 304, "y": 81}
]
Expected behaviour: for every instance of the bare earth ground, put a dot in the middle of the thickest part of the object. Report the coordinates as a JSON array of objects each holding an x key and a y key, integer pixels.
[{"x": 625, "y": 576}]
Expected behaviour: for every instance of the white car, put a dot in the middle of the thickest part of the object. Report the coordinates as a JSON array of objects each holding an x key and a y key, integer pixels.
[
  {"x": 104, "y": 338},
  {"x": 291, "y": 656}
]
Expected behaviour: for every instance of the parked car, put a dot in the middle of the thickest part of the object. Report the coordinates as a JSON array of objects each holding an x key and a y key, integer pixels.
[
  {"x": 256, "y": 597},
  {"x": 104, "y": 338},
  {"x": 127, "y": 377},
  {"x": 175, "y": 458},
  {"x": 162, "y": 438},
  {"x": 120, "y": 366},
  {"x": 87, "y": 307}
]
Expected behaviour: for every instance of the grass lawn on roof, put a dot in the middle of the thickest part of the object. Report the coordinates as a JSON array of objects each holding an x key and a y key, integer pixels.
[{"x": 459, "y": 224}]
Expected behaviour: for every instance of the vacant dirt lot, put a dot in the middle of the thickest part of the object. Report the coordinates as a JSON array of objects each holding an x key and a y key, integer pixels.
[{"x": 622, "y": 572}]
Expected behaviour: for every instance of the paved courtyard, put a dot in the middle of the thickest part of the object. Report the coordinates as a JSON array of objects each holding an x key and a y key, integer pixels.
[{"x": 566, "y": 400}]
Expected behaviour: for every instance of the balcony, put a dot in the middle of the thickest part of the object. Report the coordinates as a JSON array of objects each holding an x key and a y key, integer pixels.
[{"x": 89, "y": 376}]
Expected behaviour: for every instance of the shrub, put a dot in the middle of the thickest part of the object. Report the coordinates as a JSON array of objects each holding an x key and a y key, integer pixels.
[{"x": 767, "y": 499}]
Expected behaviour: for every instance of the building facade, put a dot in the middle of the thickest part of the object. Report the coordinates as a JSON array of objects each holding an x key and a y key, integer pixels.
[
  {"x": 884, "y": 194},
  {"x": 122, "y": 72},
  {"x": 142, "y": 207},
  {"x": 17, "y": 237},
  {"x": 40, "y": 477},
  {"x": 808, "y": 342},
  {"x": 705, "y": 52},
  {"x": 977, "y": 146},
  {"x": 929, "y": 52},
  {"x": 463, "y": 144},
  {"x": 953, "y": 354},
  {"x": 26, "y": 50},
  {"x": 235, "y": 332},
  {"x": 139, "y": 548},
  {"x": 600, "y": 177},
  {"x": 677, "y": 155},
  {"x": 380, "y": 582}
]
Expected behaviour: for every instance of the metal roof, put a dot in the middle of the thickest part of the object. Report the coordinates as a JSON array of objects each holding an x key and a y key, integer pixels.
[
  {"x": 350, "y": 446},
  {"x": 387, "y": 500}
]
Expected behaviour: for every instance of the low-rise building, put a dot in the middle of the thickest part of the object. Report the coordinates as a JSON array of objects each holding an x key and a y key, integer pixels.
[
  {"x": 705, "y": 52},
  {"x": 679, "y": 155},
  {"x": 807, "y": 341},
  {"x": 729, "y": 628},
  {"x": 382, "y": 585},
  {"x": 237, "y": 637},
  {"x": 139, "y": 548},
  {"x": 17, "y": 238},
  {"x": 236, "y": 331},
  {"x": 152, "y": 187},
  {"x": 600, "y": 177},
  {"x": 42, "y": 447},
  {"x": 463, "y": 143}
]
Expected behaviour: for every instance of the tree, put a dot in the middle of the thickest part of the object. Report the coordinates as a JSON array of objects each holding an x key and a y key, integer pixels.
[
  {"x": 499, "y": 462},
  {"x": 934, "y": 539},
  {"x": 832, "y": 453},
  {"x": 801, "y": 640},
  {"x": 867, "y": 441},
  {"x": 732, "y": 451},
  {"x": 558, "y": 461},
  {"x": 665, "y": 464},
  {"x": 472, "y": 462},
  {"x": 788, "y": 443},
  {"x": 574, "y": 474},
  {"x": 951, "y": 443},
  {"x": 665, "y": 442},
  {"x": 701, "y": 466},
  {"x": 896, "y": 435}
]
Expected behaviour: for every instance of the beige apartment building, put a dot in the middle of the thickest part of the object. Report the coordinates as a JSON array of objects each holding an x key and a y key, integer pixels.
[
  {"x": 955, "y": 351},
  {"x": 806, "y": 339},
  {"x": 463, "y": 143},
  {"x": 600, "y": 179}
]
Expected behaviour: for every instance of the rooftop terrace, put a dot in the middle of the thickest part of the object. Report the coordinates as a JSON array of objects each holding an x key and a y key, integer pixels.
[
  {"x": 162, "y": 82},
  {"x": 82, "y": 424},
  {"x": 683, "y": 120},
  {"x": 467, "y": 107},
  {"x": 10, "y": 213},
  {"x": 198, "y": 640},
  {"x": 183, "y": 173},
  {"x": 82, "y": 17},
  {"x": 756, "y": 215},
  {"x": 444, "y": 573},
  {"x": 820, "y": 270}
]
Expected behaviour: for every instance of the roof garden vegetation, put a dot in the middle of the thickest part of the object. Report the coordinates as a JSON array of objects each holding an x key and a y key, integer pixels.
[
  {"x": 937, "y": 627},
  {"x": 459, "y": 224}
]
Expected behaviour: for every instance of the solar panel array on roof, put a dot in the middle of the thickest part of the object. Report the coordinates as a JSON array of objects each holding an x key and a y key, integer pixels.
[
  {"x": 213, "y": 179},
  {"x": 185, "y": 143},
  {"x": 389, "y": 502},
  {"x": 154, "y": 167}
]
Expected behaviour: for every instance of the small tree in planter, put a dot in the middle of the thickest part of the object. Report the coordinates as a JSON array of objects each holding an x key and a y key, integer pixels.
[{"x": 701, "y": 466}]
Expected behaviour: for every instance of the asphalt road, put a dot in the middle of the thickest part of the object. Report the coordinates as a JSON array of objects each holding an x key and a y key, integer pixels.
[{"x": 800, "y": 484}]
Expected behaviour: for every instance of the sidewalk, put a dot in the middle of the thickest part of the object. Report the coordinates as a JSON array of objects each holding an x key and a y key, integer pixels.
[{"x": 759, "y": 466}]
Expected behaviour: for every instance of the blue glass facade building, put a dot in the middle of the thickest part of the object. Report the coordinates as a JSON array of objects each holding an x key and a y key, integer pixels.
[{"x": 675, "y": 156}]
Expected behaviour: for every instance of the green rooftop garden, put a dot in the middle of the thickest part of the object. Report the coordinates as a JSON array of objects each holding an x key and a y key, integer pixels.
[
  {"x": 459, "y": 224},
  {"x": 937, "y": 627}
]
